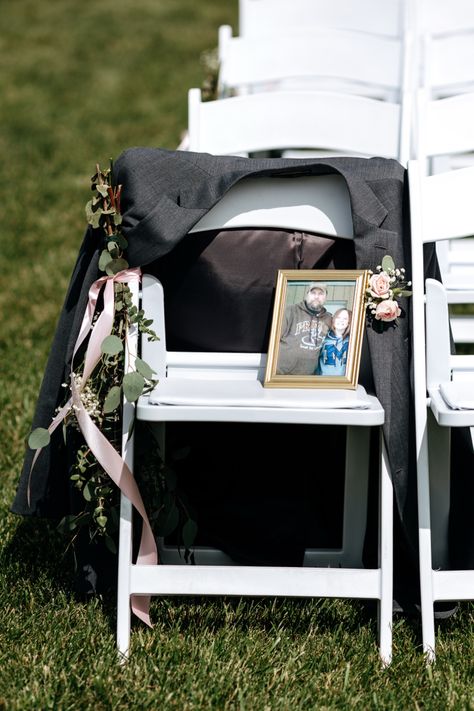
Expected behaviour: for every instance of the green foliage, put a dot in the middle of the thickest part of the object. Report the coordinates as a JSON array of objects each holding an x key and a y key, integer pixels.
[
  {"x": 144, "y": 369},
  {"x": 112, "y": 400},
  {"x": 39, "y": 438},
  {"x": 133, "y": 386},
  {"x": 112, "y": 345},
  {"x": 388, "y": 264}
]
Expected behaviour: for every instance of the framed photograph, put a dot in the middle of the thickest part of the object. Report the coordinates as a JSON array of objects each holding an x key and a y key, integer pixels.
[{"x": 317, "y": 329}]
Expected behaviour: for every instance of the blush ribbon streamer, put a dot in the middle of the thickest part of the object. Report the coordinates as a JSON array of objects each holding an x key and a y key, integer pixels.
[{"x": 107, "y": 456}]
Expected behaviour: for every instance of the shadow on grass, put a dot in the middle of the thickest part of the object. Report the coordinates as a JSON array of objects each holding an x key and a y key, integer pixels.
[
  {"x": 184, "y": 614},
  {"x": 36, "y": 550},
  {"x": 37, "y": 555}
]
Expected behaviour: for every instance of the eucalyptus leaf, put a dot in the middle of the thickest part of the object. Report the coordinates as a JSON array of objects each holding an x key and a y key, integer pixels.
[
  {"x": 102, "y": 190},
  {"x": 39, "y": 438},
  {"x": 404, "y": 292},
  {"x": 168, "y": 521},
  {"x": 104, "y": 259},
  {"x": 102, "y": 521},
  {"x": 111, "y": 345},
  {"x": 120, "y": 239},
  {"x": 144, "y": 369},
  {"x": 112, "y": 400},
  {"x": 189, "y": 533},
  {"x": 112, "y": 246},
  {"x": 116, "y": 266},
  {"x": 86, "y": 492},
  {"x": 117, "y": 218},
  {"x": 387, "y": 263},
  {"x": 93, "y": 216},
  {"x": 133, "y": 384}
]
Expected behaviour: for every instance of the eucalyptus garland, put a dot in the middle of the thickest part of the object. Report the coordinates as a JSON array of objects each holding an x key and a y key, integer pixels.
[{"x": 102, "y": 397}]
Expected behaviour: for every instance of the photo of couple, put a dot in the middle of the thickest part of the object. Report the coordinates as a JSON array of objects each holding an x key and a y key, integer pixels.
[
  {"x": 317, "y": 329},
  {"x": 313, "y": 340}
]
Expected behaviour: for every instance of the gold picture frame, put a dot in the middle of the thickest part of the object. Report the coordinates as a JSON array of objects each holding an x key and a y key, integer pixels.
[{"x": 317, "y": 329}]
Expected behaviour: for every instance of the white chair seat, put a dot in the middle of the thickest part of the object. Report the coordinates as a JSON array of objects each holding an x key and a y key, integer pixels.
[
  {"x": 251, "y": 393},
  {"x": 249, "y": 401},
  {"x": 449, "y": 407}
]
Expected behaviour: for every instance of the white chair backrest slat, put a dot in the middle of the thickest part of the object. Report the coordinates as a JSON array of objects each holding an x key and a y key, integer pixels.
[
  {"x": 438, "y": 17},
  {"x": 448, "y": 64},
  {"x": 365, "y": 64},
  {"x": 261, "y": 17},
  {"x": 438, "y": 357},
  {"x": 311, "y": 204},
  {"x": 445, "y": 125},
  {"x": 447, "y": 211},
  {"x": 297, "y": 119}
]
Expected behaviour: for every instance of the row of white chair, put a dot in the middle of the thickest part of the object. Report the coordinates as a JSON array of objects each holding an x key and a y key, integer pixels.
[
  {"x": 380, "y": 51},
  {"x": 307, "y": 114}
]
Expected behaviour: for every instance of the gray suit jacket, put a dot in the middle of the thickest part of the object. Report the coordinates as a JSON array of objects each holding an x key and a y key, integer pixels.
[{"x": 164, "y": 194}]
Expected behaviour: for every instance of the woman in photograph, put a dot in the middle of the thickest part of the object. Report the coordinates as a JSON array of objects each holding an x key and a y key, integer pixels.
[{"x": 333, "y": 355}]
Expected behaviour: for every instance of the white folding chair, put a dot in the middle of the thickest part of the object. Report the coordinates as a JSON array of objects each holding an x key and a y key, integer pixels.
[
  {"x": 444, "y": 140},
  {"x": 367, "y": 65},
  {"x": 440, "y": 208},
  {"x": 437, "y": 17},
  {"x": 260, "y": 17},
  {"x": 203, "y": 387},
  {"x": 298, "y": 119}
]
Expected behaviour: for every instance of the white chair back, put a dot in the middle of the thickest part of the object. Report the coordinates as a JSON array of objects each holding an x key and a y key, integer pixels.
[
  {"x": 445, "y": 141},
  {"x": 368, "y": 65},
  {"x": 298, "y": 119},
  {"x": 448, "y": 64},
  {"x": 444, "y": 126},
  {"x": 438, "y": 17},
  {"x": 260, "y": 17}
]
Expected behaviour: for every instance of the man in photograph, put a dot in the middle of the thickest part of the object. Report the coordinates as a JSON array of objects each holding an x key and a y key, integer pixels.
[{"x": 303, "y": 331}]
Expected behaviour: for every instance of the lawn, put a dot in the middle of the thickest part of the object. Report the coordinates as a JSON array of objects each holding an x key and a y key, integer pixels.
[{"x": 80, "y": 82}]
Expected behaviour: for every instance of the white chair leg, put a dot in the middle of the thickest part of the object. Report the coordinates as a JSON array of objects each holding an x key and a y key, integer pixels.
[
  {"x": 385, "y": 607},
  {"x": 426, "y": 570},
  {"x": 124, "y": 569},
  {"x": 125, "y": 525}
]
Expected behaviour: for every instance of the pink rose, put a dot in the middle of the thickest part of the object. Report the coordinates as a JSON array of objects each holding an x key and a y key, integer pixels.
[
  {"x": 379, "y": 285},
  {"x": 387, "y": 310}
]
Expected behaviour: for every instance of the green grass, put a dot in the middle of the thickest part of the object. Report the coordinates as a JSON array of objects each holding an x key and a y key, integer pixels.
[{"x": 79, "y": 83}]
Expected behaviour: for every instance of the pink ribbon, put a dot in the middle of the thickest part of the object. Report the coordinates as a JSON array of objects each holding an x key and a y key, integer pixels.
[{"x": 107, "y": 456}]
